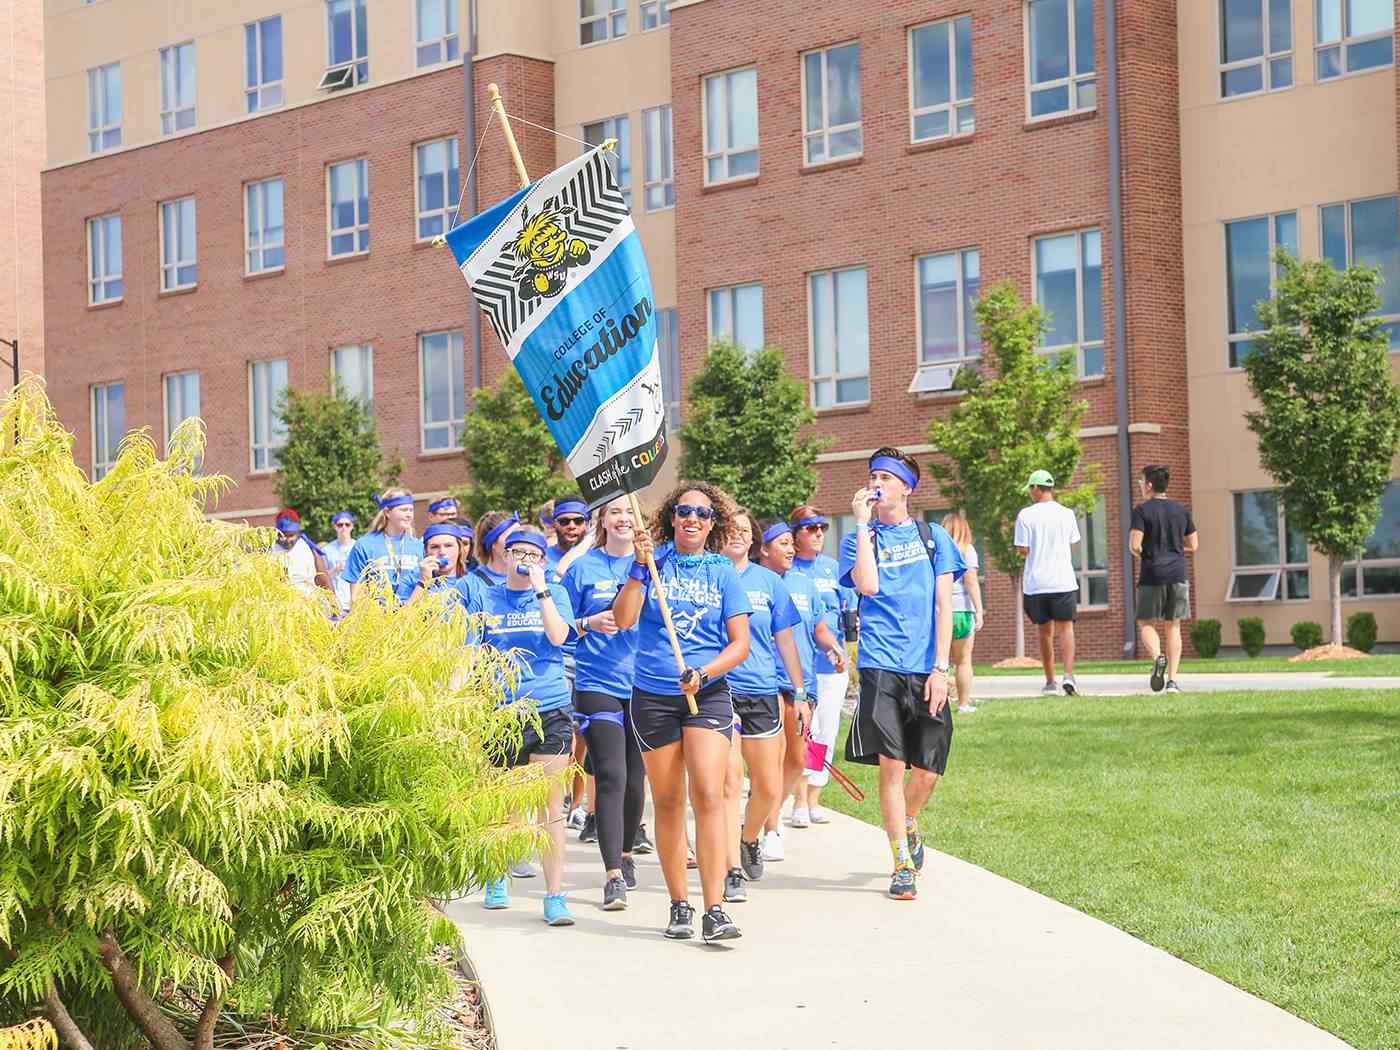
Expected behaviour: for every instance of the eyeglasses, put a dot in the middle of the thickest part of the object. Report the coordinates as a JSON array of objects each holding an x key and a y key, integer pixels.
[
  {"x": 568, "y": 521},
  {"x": 685, "y": 510},
  {"x": 525, "y": 553}
]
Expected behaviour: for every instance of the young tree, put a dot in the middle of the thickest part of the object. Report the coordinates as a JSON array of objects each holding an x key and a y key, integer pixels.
[
  {"x": 1328, "y": 421},
  {"x": 741, "y": 430},
  {"x": 332, "y": 460},
  {"x": 511, "y": 456},
  {"x": 1023, "y": 417}
]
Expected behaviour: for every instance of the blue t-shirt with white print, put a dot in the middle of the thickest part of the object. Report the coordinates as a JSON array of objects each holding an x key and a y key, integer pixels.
[
  {"x": 825, "y": 573},
  {"x": 603, "y": 663},
  {"x": 773, "y": 611},
  {"x": 378, "y": 557},
  {"x": 514, "y": 624},
  {"x": 897, "y": 624},
  {"x": 808, "y": 602},
  {"x": 703, "y": 591}
]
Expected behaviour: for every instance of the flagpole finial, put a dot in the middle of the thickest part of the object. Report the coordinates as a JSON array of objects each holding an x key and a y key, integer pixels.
[
  {"x": 439, "y": 240},
  {"x": 608, "y": 144}
]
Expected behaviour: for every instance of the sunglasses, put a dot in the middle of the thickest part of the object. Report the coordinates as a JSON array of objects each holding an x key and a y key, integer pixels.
[
  {"x": 685, "y": 510},
  {"x": 568, "y": 520},
  {"x": 814, "y": 528}
]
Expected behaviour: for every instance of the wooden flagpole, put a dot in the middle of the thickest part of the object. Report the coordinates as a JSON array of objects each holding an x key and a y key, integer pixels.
[{"x": 493, "y": 92}]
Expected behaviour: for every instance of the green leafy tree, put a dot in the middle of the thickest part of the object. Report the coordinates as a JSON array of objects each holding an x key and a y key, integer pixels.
[
  {"x": 1023, "y": 417},
  {"x": 1328, "y": 421},
  {"x": 511, "y": 456},
  {"x": 742, "y": 427},
  {"x": 219, "y": 811},
  {"x": 332, "y": 460}
]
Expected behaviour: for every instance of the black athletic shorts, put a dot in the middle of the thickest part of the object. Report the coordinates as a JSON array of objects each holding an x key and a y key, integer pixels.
[
  {"x": 553, "y": 736},
  {"x": 658, "y": 719},
  {"x": 1042, "y": 608},
  {"x": 892, "y": 719},
  {"x": 759, "y": 717}
]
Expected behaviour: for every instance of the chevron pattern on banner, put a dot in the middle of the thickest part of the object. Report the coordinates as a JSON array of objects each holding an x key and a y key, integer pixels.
[
  {"x": 616, "y": 430},
  {"x": 598, "y": 209}
]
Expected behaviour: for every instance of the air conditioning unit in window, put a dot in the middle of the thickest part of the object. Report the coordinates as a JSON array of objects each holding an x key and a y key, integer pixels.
[
  {"x": 337, "y": 77},
  {"x": 933, "y": 379}
]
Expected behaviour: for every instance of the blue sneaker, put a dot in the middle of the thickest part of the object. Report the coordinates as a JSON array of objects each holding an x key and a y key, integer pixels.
[
  {"x": 497, "y": 895},
  {"x": 916, "y": 848},
  {"x": 556, "y": 911}
]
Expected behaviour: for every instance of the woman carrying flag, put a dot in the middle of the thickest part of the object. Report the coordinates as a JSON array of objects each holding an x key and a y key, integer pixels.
[
  {"x": 389, "y": 551},
  {"x": 710, "y": 613}
]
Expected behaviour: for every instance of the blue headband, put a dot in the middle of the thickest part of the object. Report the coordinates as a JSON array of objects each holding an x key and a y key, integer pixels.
[
  {"x": 465, "y": 531},
  {"x": 534, "y": 539},
  {"x": 288, "y": 525},
  {"x": 546, "y": 518},
  {"x": 499, "y": 531},
  {"x": 442, "y": 528},
  {"x": 571, "y": 506},
  {"x": 396, "y": 501},
  {"x": 343, "y": 515},
  {"x": 443, "y": 504},
  {"x": 775, "y": 530},
  {"x": 818, "y": 520},
  {"x": 890, "y": 465}
]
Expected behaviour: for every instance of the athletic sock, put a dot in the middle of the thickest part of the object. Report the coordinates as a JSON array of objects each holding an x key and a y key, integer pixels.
[
  {"x": 900, "y": 849},
  {"x": 909, "y": 824}
]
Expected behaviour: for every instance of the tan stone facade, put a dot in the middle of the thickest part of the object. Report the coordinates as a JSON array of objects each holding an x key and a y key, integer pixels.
[{"x": 21, "y": 159}]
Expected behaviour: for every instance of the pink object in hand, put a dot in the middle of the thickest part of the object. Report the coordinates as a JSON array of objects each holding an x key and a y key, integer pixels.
[{"x": 816, "y": 756}]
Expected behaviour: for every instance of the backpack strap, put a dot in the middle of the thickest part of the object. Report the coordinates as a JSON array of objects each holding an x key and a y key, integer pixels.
[{"x": 926, "y": 534}]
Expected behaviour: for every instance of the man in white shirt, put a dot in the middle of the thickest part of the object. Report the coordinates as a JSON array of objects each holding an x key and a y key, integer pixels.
[{"x": 1046, "y": 532}]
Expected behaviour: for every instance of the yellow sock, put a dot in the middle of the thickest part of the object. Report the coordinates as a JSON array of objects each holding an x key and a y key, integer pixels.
[{"x": 900, "y": 849}]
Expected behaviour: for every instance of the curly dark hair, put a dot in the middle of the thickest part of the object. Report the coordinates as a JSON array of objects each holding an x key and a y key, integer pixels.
[{"x": 663, "y": 531}]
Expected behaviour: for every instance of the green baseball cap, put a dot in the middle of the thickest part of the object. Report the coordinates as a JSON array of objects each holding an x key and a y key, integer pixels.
[{"x": 1040, "y": 479}]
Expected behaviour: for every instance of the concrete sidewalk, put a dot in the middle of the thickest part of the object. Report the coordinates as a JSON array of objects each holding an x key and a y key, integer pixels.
[
  {"x": 1007, "y": 687},
  {"x": 827, "y": 961}
]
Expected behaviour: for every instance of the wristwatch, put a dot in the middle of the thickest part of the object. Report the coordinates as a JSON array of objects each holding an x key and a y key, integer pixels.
[
  {"x": 699, "y": 672},
  {"x": 945, "y": 668},
  {"x": 541, "y": 595}
]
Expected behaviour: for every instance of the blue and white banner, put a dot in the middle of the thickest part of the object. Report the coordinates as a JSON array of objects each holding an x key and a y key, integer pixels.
[{"x": 558, "y": 270}]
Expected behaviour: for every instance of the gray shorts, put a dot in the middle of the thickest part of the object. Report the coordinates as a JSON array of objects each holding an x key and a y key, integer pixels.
[{"x": 1163, "y": 601}]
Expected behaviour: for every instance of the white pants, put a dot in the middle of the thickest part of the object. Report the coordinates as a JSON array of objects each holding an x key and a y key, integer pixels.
[{"x": 826, "y": 720}]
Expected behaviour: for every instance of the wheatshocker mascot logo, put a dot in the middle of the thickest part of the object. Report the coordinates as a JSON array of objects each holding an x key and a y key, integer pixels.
[{"x": 545, "y": 250}]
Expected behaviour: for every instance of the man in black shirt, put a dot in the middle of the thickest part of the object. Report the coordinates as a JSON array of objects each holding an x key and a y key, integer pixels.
[{"x": 1162, "y": 535}]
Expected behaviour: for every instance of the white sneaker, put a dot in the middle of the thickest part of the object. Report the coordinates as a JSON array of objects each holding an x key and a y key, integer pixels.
[
  {"x": 966, "y": 709},
  {"x": 1049, "y": 689},
  {"x": 578, "y": 818},
  {"x": 1070, "y": 685},
  {"x": 800, "y": 818},
  {"x": 773, "y": 845},
  {"x": 819, "y": 815}
]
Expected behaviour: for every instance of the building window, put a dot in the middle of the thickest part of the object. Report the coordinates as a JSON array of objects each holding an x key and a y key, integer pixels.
[
  {"x": 176, "y": 88},
  {"x": 267, "y": 382},
  {"x": 352, "y": 369},
  {"x": 347, "y": 39},
  {"x": 262, "y": 57},
  {"x": 940, "y": 80},
  {"x": 1377, "y": 571},
  {"x": 1091, "y": 557},
  {"x": 348, "y": 202},
  {"x": 839, "y": 323},
  {"x": 655, "y": 14},
  {"x": 668, "y": 352},
  {"x": 842, "y": 525},
  {"x": 1353, "y": 36},
  {"x": 1256, "y": 46},
  {"x": 620, "y": 159},
  {"x": 831, "y": 103},
  {"x": 736, "y": 316},
  {"x": 108, "y": 426},
  {"x": 659, "y": 179},
  {"x": 731, "y": 125},
  {"x": 439, "y": 187},
  {"x": 1367, "y": 233},
  {"x": 104, "y": 107},
  {"x": 600, "y": 20},
  {"x": 1069, "y": 286},
  {"x": 181, "y": 401},
  {"x": 1250, "y": 274},
  {"x": 178, "y": 264},
  {"x": 266, "y": 230},
  {"x": 1060, "y": 57},
  {"x": 437, "y": 32},
  {"x": 444, "y": 391},
  {"x": 1271, "y": 555},
  {"x": 105, "y": 259},
  {"x": 949, "y": 285}
]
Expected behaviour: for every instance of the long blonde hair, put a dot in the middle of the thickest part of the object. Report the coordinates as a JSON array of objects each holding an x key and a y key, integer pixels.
[
  {"x": 381, "y": 516},
  {"x": 957, "y": 527}
]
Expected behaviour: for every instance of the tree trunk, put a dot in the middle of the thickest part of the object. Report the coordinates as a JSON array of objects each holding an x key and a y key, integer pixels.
[
  {"x": 1334, "y": 595},
  {"x": 204, "y": 1034},
  {"x": 1020, "y": 616},
  {"x": 68, "y": 1031},
  {"x": 144, "y": 1012}
]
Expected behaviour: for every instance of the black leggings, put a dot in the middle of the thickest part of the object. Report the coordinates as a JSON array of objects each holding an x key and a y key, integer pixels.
[{"x": 617, "y": 765}]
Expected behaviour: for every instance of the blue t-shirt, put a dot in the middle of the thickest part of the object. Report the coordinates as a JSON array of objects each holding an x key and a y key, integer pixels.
[
  {"x": 603, "y": 662},
  {"x": 807, "y": 600},
  {"x": 825, "y": 573},
  {"x": 377, "y": 557},
  {"x": 773, "y": 611},
  {"x": 703, "y": 591},
  {"x": 488, "y": 576},
  {"x": 514, "y": 624},
  {"x": 896, "y": 625}
]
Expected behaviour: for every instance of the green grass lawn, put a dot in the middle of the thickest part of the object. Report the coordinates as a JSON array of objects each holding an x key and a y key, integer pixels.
[
  {"x": 1254, "y": 836},
  {"x": 1382, "y": 665}
]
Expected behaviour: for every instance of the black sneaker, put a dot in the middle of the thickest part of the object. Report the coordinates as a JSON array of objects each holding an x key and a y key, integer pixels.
[
  {"x": 590, "y": 829},
  {"x": 751, "y": 858},
  {"x": 643, "y": 844},
  {"x": 916, "y": 848},
  {"x": 1172, "y": 687},
  {"x": 715, "y": 925},
  {"x": 735, "y": 892},
  {"x": 903, "y": 886},
  {"x": 629, "y": 872},
  {"x": 682, "y": 925},
  {"x": 1159, "y": 672},
  {"x": 614, "y": 894}
]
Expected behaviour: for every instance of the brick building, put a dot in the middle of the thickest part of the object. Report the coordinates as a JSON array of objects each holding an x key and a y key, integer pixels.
[
  {"x": 21, "y": 158},
  {"x": 836, "y": 180}
]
